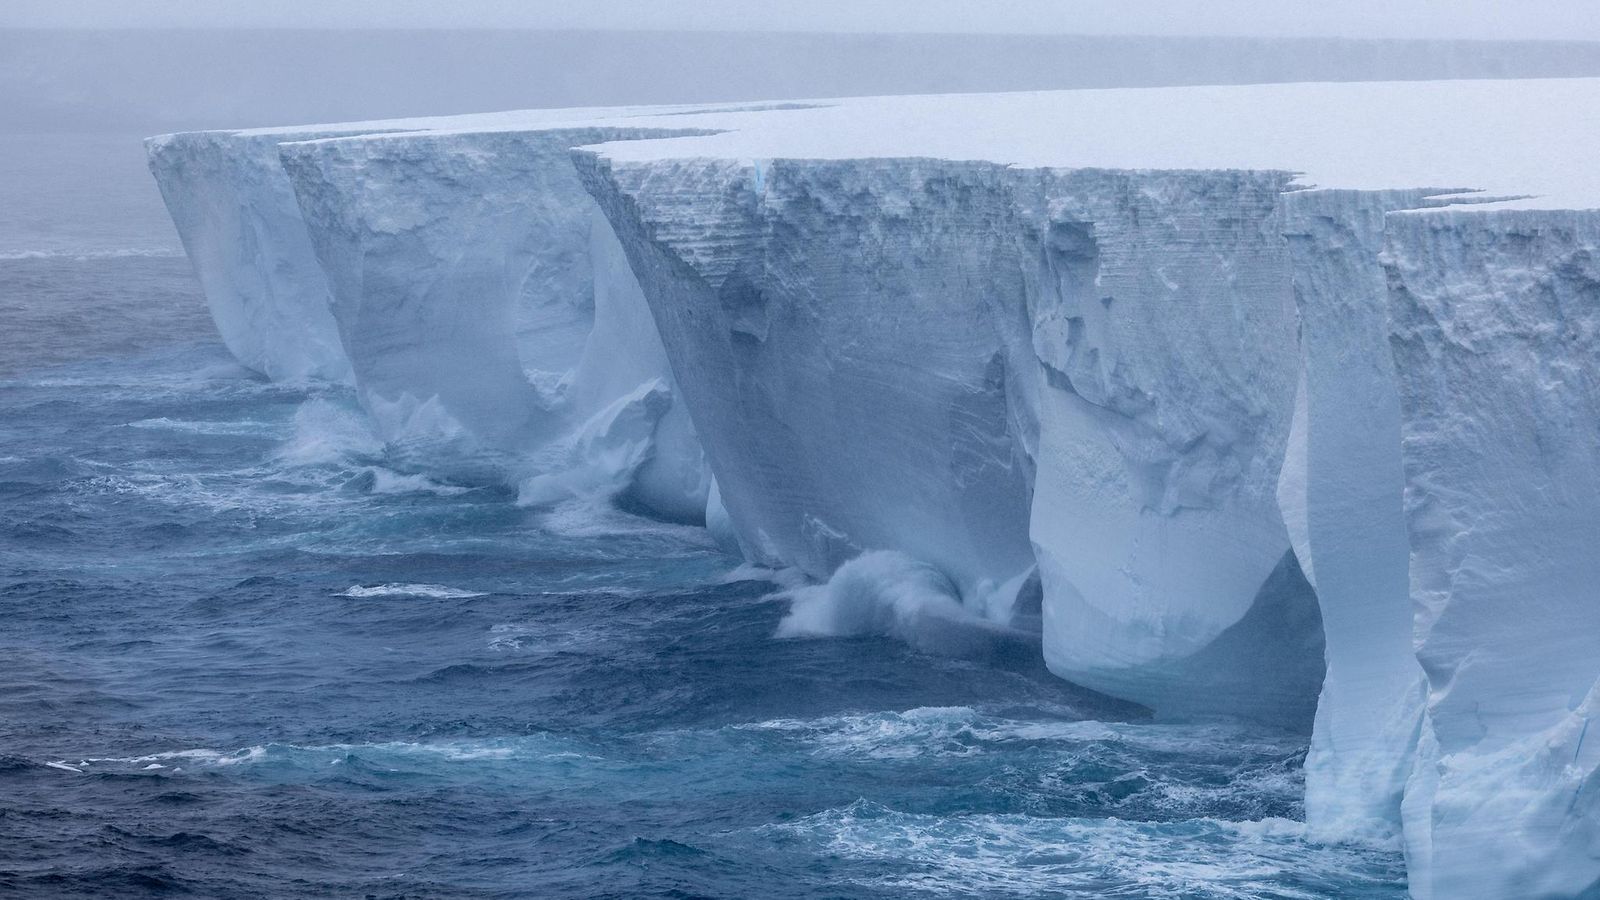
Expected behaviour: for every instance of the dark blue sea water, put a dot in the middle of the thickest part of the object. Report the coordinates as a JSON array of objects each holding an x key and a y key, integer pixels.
[{"x": 242, "y": 656}]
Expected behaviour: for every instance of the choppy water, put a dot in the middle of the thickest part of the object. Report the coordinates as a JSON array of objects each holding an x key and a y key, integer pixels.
[{"x": 241, "y": 656}]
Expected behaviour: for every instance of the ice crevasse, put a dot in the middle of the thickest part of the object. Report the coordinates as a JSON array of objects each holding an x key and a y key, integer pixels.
[{"x": 1276, "y": 401}]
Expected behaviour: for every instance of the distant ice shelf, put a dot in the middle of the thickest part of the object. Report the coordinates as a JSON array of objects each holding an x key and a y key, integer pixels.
[{"x": 1275, "y": 401}]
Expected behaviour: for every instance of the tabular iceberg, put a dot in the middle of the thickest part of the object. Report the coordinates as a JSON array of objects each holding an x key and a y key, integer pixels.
[{"x": 1112, "y": 367}]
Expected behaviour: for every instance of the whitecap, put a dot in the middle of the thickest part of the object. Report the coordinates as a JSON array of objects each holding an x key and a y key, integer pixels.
[
  {"x": 1020, "y": 855},
  {"x": 1230, "y": 762},
  {"x": 590, "y": 517},
  {"x": 197, "y": 756},
  {"x": 326, "y": 433},
  {"x": 83, "y": 254},
  {"x": 245, "y": 428},
  {"x": 787, "y": 579},
  {"x": 883, "y": 592},
  {"x": 388, "y": 481},
  {"x": 529, "y": 748},
  {"x": 427, "y": 591},
  {"x": 535, "y": 638}
]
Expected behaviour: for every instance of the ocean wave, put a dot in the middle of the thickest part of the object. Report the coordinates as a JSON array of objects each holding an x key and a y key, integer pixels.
[
  {"x": 318, "y": 757},
  {"x": 379, "y": 480},
  {"x": 884, "y": 592},
  {"x": 1019, "y": 855},
  {"x": 244, "y": 428},
  {"x": 169, "y": 759},
  {"x": 963, "y": 730},
  {"x": 326, "y": 432},
  {"x": 96, "y": 253},
  {"x": 1144, "y": 771},
  {"x": 598, "y": 517},
  {"x": 787, "y": 579},
  {"x": 426, "y": 591}
]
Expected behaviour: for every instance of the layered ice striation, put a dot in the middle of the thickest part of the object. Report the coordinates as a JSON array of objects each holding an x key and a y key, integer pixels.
[
  {"x": 1110, "y": 368},
  {"x": 841, "y": 364}
]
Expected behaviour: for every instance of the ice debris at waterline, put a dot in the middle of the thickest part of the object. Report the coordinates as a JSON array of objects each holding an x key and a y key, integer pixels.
[{"x": 1272, "y": 401}]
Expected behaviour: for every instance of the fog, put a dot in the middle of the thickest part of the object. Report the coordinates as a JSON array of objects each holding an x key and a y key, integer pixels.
[
  {"x": 150, "y": 80},
  {"x": 74, "y": 103},
  {"x": 1471, "y": 19}
]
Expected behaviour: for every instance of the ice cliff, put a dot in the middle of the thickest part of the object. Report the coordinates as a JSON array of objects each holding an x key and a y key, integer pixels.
[
  {"x": 1223, "y": 393},
  {"x": 237, "y": 217},
  {"x": 491, "y": 328},
  {"x": 1496, "y": 336}
]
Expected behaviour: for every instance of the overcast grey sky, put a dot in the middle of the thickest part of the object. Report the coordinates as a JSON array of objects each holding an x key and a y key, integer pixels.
[{"x": 1488, "y": 19}]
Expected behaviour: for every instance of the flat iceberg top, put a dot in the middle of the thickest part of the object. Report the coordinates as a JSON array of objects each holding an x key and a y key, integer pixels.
[
  {"x": 514, "y": 120},
  {"x": 1530, "y": 138}
]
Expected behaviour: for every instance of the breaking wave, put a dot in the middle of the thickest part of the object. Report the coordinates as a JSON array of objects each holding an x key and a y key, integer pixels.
[
  {"x": 883, "y": 592},
  {"x": 425, "y": 591}
]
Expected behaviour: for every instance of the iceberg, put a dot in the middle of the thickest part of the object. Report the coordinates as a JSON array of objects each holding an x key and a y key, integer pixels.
[
  {"x": 841, "y": 389},
  {"x": 1165, "y": 330},
  {"x": 492, "y": 331},
  {"x": 1272, "y": 401},
  {"x": 236, "y": 215}
]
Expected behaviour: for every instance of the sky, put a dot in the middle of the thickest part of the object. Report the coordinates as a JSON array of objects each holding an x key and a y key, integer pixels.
[{"x": 1470, "y": 19}]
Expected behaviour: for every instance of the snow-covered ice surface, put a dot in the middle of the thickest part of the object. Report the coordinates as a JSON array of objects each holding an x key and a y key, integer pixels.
[
  {"x": 1520, "y": 138},
  {"x": 1109, "y": 364}
]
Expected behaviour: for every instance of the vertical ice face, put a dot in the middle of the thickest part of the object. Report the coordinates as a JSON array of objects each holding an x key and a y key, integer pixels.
[
  {"x": 622, "y": 351},
  {"x": 1166, "y": 332},
  {"x": 1341, "y": 497},
  {"x": 426, "y": 244},
  {"x": 1496, "y": 339},
  {"x": 928, "y": 356},
  {"x": 830, "y": 326},
  {"x": 237, "y": 217},
  {"x": 493, "y": 330}
]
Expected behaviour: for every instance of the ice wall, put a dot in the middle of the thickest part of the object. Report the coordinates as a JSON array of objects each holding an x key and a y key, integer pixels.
[
  {"x": 830, "y": 326},
  {"x": 493, "y": 332},
  {"x": 1341, "y": 498},
  {"x": 1496, "y": 339},
  {"x": 982, "y": 367},
  {"x": 1164, "y": 327},
  {"x": 1210, "y": 363},
  {"x": 240, "y": 225}
]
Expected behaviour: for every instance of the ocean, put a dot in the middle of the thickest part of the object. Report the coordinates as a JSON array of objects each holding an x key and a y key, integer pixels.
[{"x": 244, "y": 655}]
